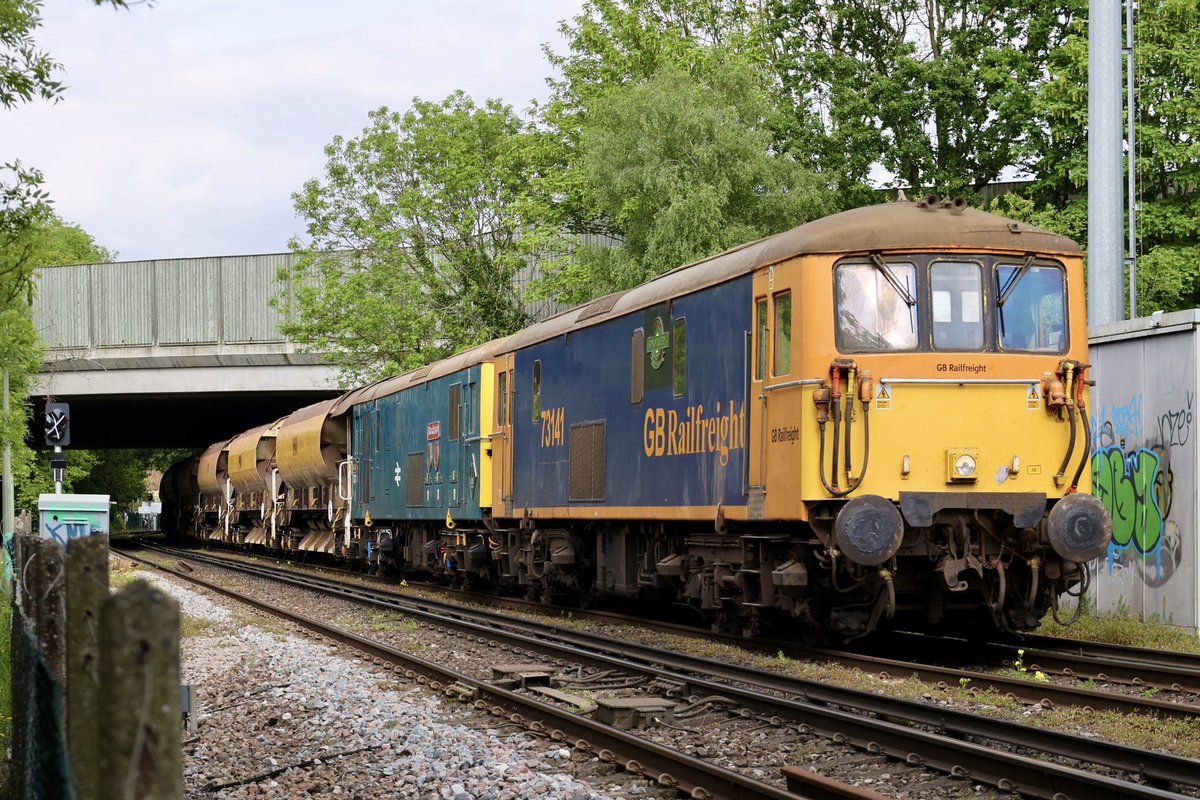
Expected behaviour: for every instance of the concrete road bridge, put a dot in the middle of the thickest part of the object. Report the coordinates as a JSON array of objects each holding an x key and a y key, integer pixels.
[{"x": 172, "y": 352}]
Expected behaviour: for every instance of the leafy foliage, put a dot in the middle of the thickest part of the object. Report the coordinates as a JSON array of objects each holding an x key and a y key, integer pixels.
[
  {"x": 936, "y": 91},
  {"x": 49, "y": 241},
  {"x": 1167, "y": 43},
  {"x": 613, "y": 44},
  {"x": 415, "y": 236},
  {"x": 1167, "y": 76},
  {"x": 683, "y": 170},
  {"x": 663, "y": 120},
  {"x": 26, "y": 73}
]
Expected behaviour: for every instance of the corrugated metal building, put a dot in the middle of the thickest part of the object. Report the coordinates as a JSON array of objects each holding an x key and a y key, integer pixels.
[{"x": 1144, "y": 464}]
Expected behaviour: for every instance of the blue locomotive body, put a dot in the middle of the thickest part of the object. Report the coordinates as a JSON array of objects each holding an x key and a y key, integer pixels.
[
  {"x": 418, "y": 451},
  {"x": 646, "y": 413}
]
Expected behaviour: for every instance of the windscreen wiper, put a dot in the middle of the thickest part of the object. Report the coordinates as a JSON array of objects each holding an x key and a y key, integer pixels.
[
  {"x": 891, "y": 278},
  {"x": 1013, "y": 280}
]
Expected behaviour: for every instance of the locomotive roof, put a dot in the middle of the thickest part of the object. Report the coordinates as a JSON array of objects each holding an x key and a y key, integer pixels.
[
  {"x": 924, "y": 225},
  {"x": 928, "y": 224}
]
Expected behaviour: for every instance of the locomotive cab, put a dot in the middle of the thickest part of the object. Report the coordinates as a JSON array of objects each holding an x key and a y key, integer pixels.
[{"x": 926, "y": 416}]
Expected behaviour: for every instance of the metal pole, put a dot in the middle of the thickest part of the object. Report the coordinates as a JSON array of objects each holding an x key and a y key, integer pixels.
[
  {"x": 9, "y": 501},
  {"x": 1131, "y": 193},
  {"x": 57, "y": 482},
  {"x": 9, "y": 524},
  {"x": 1105, "y": 207}
]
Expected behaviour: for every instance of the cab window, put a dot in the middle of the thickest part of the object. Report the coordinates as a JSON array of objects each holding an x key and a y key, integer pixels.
[
  {"x": 679, "y": 358},
  {"x": 760, "y": 363},
  {"x": 956, "y": 292},
  {"x": 1031, "y": 308},
  {"x": 876, "y": 309},
  {"x": 537, "y": 390},
  {"x": 783, "y": 334}
]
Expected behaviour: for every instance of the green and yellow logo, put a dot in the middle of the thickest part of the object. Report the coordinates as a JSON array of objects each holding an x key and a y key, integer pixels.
[{"x": 657, "y": 344}]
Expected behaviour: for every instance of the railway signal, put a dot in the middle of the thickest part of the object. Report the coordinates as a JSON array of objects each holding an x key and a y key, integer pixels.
[{"x": 58, "y": 424}]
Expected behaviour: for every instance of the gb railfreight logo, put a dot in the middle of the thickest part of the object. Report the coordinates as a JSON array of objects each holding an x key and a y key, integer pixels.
[{"x": 666, "y": 432}]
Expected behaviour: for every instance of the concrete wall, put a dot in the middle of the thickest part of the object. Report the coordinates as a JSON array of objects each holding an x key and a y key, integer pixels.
[
  {"x": 1144, "y": 465},
  {"x": 180, "y": 301}
]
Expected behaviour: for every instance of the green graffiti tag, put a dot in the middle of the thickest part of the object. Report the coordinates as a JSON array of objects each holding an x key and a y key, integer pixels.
[{"x": 1128, "y": 487}]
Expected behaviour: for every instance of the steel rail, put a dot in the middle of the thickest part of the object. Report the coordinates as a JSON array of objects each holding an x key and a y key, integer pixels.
[
  {"x": 1185, "y": 678},
  {"x": 691, "y": 776},
  {"x": 818, "y": 708},
  {"x": 1035, "y": 692},
  {"x": 1101, "y": 662},
  {"x": 1116, "y": 652}
]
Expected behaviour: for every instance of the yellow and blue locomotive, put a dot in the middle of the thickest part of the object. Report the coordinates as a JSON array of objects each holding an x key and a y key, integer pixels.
[{"x": 875, "y": 418}]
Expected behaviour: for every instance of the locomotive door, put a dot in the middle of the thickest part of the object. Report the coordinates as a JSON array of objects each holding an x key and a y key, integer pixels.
[
  {"x": 502, "y": 439},
  {"x": 363, "y": 440},
  {"x": 776, "y": 398}
]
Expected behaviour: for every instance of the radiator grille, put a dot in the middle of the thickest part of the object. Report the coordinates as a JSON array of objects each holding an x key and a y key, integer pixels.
[
  {"x": 416, "y": 479},
  {"x": 587, "y": 473}
]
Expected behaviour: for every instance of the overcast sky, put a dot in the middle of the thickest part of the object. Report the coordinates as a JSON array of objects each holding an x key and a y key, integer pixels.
[{"x": 186, "y": 126}]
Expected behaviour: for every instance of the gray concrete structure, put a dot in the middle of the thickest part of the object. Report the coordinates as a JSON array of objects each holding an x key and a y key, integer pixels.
[
  {"x": 1144, "y": 465},
  {"x": 182, "y": 352},
  {"x": 176, "y": 352}
]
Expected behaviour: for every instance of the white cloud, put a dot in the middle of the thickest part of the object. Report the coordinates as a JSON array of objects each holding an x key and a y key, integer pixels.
[{"x": 186, "y": 126}]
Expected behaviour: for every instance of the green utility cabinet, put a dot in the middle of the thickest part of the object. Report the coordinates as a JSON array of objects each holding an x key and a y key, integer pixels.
[{"x": 63, "y": 517}]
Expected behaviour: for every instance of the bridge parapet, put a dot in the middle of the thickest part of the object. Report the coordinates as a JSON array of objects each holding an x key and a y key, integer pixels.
[
  {"x": 161, "y": 303},
  {"x": 170, "y": 326}
]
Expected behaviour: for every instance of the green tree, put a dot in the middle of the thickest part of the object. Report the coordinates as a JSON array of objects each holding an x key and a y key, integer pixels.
[
  {"x": 936, "y": 91},
  {"x": 1167, "y": 47},
  {"x": 682, "y": 170},
  {"x": 612, "y": 43},
  {"x": 415, "y": 237},
  {"x": 26, "y": 74},
  {"x": 30, "y": 234},
  {"x": 617, "y": 43},
  {"x": 1167, "y": 77},
  {"x": 49, "y": 241}
]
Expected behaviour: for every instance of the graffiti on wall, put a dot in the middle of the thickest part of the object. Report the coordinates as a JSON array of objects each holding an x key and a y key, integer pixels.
[{"x": 1132, "y": 476}]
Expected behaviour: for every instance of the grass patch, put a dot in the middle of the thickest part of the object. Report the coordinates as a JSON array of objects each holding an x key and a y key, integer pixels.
[
  {"x": 373, "y": 621},
  {"x": 119, "y": 579},
  {"x": 1126, "y": 630},
  {"x": 190, "y": 627}
]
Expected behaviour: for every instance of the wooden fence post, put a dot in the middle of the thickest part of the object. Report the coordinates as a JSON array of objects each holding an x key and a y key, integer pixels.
[
  {"x": 139, "y": 707},
  {"x": 46, "y": 581},
  {"x": 22, "y": 675},
  {"x": 40, "y": 765},
  {"x": 87, "y": 589}
]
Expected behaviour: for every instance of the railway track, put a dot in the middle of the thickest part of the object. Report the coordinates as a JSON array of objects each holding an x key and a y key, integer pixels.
[
  {"x": 955, "y": 743},
  {"x": 1154, "y": 670},
  {"x": 692, "y": 777},
  {"x": 1084, "y": 661}
]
